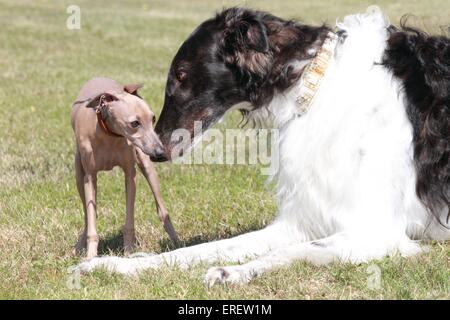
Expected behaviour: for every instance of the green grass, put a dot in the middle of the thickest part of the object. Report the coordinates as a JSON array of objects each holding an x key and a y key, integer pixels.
[{"x": 43, "y": 65}]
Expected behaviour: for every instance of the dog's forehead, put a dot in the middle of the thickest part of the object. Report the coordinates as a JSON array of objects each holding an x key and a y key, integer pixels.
[
  {"x": 134, "y": 104},
  {"x": 143, "y": 108}
]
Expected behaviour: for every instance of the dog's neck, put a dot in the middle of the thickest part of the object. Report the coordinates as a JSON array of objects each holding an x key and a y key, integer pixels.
[
  {"x": 102, "y": 118},
  {"x": 272, "y": 72},
  {"x": 314, "y": 72}
]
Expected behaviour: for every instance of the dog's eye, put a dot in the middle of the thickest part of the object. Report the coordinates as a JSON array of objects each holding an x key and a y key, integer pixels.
[
  {"x": 154, "y": 119},
  {"x": 135, "y": 124},
  {"x": 181, "y": 76}
]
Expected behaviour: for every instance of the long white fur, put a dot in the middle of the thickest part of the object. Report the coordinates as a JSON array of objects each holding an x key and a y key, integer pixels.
[{"x": 346, "y": 180}]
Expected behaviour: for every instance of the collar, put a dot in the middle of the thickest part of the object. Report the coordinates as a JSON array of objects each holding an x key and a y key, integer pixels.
[
  {"x": 101, "y": 120},
  {"x": 312, "y": 76}
]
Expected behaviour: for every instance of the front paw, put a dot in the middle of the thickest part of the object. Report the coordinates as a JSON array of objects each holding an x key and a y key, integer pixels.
[
  {"x": 142, "y": 255},
  {"x": 232, "y": 274},
  {"x": 88, "y": 265},
  {"x": 111, "y": 264}
]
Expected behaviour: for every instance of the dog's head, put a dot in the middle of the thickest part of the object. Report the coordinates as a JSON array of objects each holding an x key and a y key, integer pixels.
[
  {"x": 202, "y": 82},
  {"x": 240, "y": 55},
  {"x": 204, "y": 78},
  {"x": 128, "y": 115}
]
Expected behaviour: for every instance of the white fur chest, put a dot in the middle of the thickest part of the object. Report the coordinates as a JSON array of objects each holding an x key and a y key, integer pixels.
[{"x": 343, "y": 163}]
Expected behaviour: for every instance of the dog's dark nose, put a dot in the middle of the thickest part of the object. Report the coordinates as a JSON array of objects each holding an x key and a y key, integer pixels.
[{"x": 158, "y": 155}]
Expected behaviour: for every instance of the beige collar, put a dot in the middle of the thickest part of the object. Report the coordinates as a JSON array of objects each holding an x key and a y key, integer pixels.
[{"x": 313, "y": 74}]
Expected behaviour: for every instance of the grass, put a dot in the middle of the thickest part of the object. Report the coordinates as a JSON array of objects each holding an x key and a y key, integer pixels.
[{"x": 43, "y": 65}]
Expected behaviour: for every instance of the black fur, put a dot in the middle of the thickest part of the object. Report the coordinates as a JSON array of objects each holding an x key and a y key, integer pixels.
[
  {"x": 422, "y": 62},
  {"x": 240, "y": 55}
]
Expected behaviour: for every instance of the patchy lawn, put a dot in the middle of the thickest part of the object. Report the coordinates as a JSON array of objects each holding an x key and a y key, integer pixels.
[{"x": 43, "y": 65}]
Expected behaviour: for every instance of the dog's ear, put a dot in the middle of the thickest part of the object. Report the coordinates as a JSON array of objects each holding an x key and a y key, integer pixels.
[
  {"x": 133, "y": 88},
  {"x": 245, "y": 42},
  {"x": 245, "y": 31},
  {"x": 103, "y": 97},
  {"x": 257, "y": 37}
]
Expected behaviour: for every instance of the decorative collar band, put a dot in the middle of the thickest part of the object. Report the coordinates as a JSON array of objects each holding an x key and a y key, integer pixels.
[{"x": 313, "y": 74}]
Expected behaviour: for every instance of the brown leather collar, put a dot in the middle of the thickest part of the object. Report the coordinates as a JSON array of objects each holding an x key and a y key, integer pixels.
[{"x": 101, "y": 121}]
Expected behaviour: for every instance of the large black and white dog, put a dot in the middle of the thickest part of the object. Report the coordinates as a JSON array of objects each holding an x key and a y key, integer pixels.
[{"x": 364, "y": 173}]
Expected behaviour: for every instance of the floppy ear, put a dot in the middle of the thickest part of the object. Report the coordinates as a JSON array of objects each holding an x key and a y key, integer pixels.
[
  {"x": 245, "y": 42},
  {"x": 133, "y": 88},
  {"x": 105, "y": 97},
  {"x": 244, "y": 31},
  {"x": 256, "y": 37}
]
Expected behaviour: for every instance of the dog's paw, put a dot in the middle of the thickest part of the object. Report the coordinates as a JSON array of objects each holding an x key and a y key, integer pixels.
[
  {"x": 86, "y": 266},
  {"x": 141, "y": 255},
  {"x": 232, "y": 274},
  {"x": 111, "y": 264}
]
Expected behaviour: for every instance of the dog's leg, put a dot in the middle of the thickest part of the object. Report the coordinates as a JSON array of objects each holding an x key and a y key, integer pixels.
[
  {"x": 235, "y": 249},
  {"x": 276, "y": 258},
  {"x": 79, "y": 173},
  {"x": 148, "y": 170},
  {"x": 128, "y": 230},
  {"x": 90, "y": 193},
  {"x": 338, "y": 247}
]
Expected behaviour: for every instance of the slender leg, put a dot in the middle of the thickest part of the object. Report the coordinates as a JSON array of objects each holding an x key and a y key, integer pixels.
[
  {"x": 128, "y": 230},
  {"x": 148, "y": 170},
  {"x": 338, "y": 247},
  {"x": 82, "y": 240},
  {"x": 273, "y": 259},
  {"x": 90, "y": 187},
  {"x": 237, "y": 249}
]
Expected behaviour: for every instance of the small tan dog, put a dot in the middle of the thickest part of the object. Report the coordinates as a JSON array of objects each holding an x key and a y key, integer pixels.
[{"x": 114, "y": 127}]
